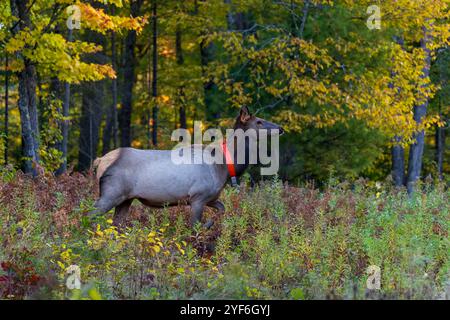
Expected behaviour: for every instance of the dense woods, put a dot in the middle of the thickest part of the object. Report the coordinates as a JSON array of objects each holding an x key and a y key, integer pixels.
[{"x": 359, "y": 95}]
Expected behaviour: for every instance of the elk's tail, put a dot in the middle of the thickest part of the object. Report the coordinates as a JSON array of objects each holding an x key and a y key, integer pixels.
[{"x": 103, "y": 163}]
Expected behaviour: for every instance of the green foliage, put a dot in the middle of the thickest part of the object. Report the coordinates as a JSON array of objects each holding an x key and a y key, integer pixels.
[
  {"x": 50, "y": 135},
  {"x": 347, "y": 151},
  {"x": 2, "y": 148},
  {"x": 273, "y": 242}
]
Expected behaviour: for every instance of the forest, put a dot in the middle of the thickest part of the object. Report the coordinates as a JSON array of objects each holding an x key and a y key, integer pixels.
[{"x": 360, "y": 87}]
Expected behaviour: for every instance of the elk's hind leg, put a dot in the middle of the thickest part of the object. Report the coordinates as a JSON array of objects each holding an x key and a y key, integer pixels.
[
  {"x": 121, "y": 212},
  {"x": 218, "y": 205}
]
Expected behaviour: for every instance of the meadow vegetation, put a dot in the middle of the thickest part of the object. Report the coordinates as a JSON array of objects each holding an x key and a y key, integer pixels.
[{"x": 275, "y": 241}]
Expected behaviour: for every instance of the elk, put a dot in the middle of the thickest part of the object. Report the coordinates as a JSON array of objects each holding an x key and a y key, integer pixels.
[{"x": 150, "y": 176}]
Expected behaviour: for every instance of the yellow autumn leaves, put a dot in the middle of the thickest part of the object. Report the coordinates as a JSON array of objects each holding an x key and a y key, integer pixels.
[
  {"x": 100, "y": 21},
  {"x": 54, "y": 55}
]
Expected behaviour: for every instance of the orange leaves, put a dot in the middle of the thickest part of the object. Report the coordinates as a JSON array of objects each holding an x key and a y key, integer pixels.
[
  {"x": 98, "y": 20},
  {"x": 163, "y": 100}
]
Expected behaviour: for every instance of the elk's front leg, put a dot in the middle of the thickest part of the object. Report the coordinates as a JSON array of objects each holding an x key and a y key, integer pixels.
[
  {"x": 196, "y": 212},
  {"x": 121, "y": 213}
]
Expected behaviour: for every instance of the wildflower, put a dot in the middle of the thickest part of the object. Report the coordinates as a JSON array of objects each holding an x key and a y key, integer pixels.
[
  {"x": 61, "y": 265},
  {"x": 180, "y": 270},
  {"x": 65, "y": 255},
  {"x": 99, "y": 232},
  {"x": 179, "y": 248}
]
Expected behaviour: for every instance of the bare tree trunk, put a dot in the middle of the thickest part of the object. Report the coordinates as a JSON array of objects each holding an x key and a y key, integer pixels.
[
  {"x": 90, "y": 120},
  {"x": 155, "y": 75},
  {"x": 114, "y": 90},
  {"x": 107, "y": 133},
  {"x": 440, "y": 147},
  {"x": 178, "y": 47},
  {"x": 92, "y": 107},
  {"x": 182, "y": 113},
  {"x": 129, "y": 79},
  {"x": 398, "y": 165},
  {"x": 110, "y": 131},
  {"x": 180, "y": 61},
  {"x": 65, "y": 122},
  {"x": 148, "y": 113},
  {"x": 398, "y": 151},
  {"x": 6, "y": 109},
  {"x": 212, "y": 100},
  {"x": 31, "y": 88},
  {"x": 304, "y": 18},
  {"x": 206, "y": 54},
  {"x": 27, "y": 94},
  {"x": 416, "y": 149},
  {"x": 230, "y": 17}
]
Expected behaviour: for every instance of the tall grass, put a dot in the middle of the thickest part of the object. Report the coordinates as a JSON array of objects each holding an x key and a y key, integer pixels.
[{"x": 274, "y": 242}]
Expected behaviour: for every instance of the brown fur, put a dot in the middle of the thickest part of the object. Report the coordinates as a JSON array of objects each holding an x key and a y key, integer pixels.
[{"x": 104, "y": 162}]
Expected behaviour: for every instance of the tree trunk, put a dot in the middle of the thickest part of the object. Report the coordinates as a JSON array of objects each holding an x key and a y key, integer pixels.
[
  {"x": 398, "y": 165},
  {"x": 107, "y": 132},
  {"x": 92, "y": 107},
  {"x": 27, "y": 94},
  {"x": 206, "y": 56},
  {"x": 212, "y": 99},
  {"x": 178, "y": 47},
  {"x": 398, "y": 151},
  {"x": 304, "y": 18},
  {"x": 440, "y": 147},
  {"x": 182, "y": 113},
  {"x": 90, "y": 120},
  {"x": 230, "y": 17},
  {"x": 155, "y": 75},
  {"x": 180, "y": 61},
  {"x": 65, "y": 122},
  {"x": 129, "y": 79},
  {"x": 146, "y": 118},
  {"x": 110, "y": 131},
  {"x": 416, "y": 149},
  {"x": 6, "y": 109}
]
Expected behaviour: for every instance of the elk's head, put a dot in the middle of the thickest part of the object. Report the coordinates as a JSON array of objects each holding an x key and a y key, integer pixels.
[{"x": 247, "y": 121}]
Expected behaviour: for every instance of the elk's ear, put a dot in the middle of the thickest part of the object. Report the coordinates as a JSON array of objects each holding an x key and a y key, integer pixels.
[{"x": 244, "y": 114}]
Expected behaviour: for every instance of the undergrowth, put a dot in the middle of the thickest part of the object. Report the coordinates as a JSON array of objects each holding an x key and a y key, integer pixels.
[{"x": 274, "y": 242}]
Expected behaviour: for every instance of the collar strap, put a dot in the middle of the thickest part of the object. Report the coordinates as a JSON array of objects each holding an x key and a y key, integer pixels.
[{"x": 230, "y": 164}]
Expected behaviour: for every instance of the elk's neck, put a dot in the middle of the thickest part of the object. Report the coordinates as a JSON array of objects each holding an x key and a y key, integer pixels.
[{"x": 239, "y": 166}]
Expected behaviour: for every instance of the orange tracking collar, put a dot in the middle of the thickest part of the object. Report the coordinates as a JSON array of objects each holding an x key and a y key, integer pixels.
[{"x": 229, "y": 163}]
